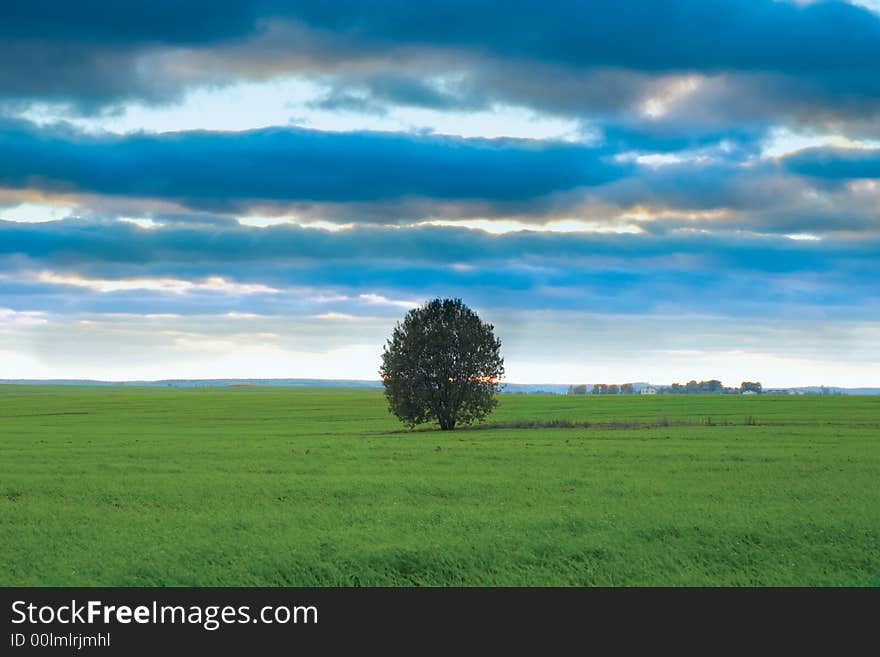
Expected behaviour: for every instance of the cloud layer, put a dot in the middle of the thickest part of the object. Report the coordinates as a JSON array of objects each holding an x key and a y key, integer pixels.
[
  {"x": 292, "y": 176},
  {"x": 745, "y": 61}
]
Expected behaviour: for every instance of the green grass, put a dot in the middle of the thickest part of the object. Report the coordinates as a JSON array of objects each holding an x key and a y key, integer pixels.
[{"x": 298, "y": 487}]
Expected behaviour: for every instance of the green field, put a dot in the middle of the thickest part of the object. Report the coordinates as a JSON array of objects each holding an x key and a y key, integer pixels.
[{"x": 297, "y": 487}]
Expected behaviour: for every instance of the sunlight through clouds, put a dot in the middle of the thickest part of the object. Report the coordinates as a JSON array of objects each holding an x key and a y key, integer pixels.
[
  {"x": 291, "y": 101},
  {"x": 503, "y": 226},
  {"x": 170, "y": 285},
  {"x": 35, "y": 212}
]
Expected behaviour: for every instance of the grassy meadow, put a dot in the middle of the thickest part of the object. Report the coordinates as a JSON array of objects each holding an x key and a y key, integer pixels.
[{"x": 263, "y": 486}]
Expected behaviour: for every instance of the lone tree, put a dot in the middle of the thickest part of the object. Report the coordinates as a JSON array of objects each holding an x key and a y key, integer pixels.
[{"x": 442, "y": 363}]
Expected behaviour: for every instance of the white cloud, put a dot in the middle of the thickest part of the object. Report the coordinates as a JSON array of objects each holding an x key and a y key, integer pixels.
[
  {"x": 22, "y": 317},
  {"x": 871, "y": 5},
  {"x": 264, "y": 221},
  {"x": 803, "y": 237},
  {"x": 667, "y": 93},
  {"x": 336, "y": 316},
  {"x": 169, "y": 285},
  {"x": 237, "y": 315},
  {"x": 655, "y": 160},
  {"x": 29, "y": 212},
  {"x": 503, "y": 226},
  {"x": 140, "y": 222},
  {"x": 784, "y": 141},
  {"x": 379, "y": 299}
]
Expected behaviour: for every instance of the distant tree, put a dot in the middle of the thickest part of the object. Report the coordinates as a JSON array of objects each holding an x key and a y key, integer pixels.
[
  {"x": 577, "y": 390},
  {"x": 627, "y": 389},
  {"x": 712, "y": 386},
  {"x": 600, "y": 389},
  {"x": 613, "y": 389},
  {"x": 753, "y": 386},
  {"x": 442, "y": 363}
]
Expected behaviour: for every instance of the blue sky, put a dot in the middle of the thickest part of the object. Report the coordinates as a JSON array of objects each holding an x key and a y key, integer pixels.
[{"x": 629, "y": 191}]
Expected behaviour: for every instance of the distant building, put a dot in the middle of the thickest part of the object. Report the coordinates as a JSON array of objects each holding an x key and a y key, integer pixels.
[
  {"x": 648, "y": 390},
  {"x": 749, "y": 392}
]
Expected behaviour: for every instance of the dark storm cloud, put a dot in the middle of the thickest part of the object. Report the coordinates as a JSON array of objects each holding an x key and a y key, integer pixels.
[
  {"x": 811, "y": 63},
  {"x": 836, "y": 163},
  {"x": 698, "y": 36},
  {"x": 399, "y": 178},
  {"x": 91, "y": 242},
  {"x": 722, "y": 274},
  {"x": 707, "y": 35},
  {"x": 223, "y": 170},
  {"x": 89, "y": 53},
  {"x": 133, "y": 21}
]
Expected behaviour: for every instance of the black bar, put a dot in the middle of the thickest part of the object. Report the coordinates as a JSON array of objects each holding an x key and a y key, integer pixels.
[{"x": 545, "y": 621}]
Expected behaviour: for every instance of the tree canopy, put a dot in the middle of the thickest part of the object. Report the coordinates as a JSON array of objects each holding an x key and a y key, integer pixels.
[{"x": 442, "y": 363}]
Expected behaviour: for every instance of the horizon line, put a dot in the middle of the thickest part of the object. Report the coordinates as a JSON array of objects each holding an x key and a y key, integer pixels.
[{"x": 26, "y": 381}]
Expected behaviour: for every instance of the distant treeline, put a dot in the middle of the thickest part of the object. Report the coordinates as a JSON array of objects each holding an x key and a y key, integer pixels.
[
  {"x": 713, "y": 387},
  {"x": 604, "y": 389},
  {"x": 710, "y": 387}
]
